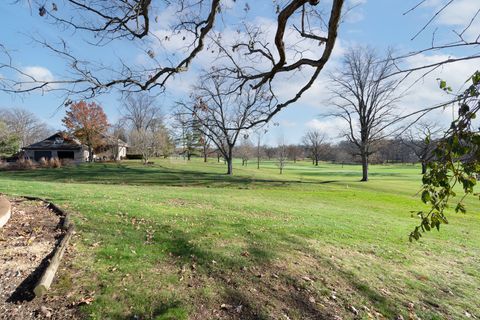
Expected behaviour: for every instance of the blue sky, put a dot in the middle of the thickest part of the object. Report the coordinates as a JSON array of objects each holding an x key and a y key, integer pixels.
[{"x": 377, "y": 23}]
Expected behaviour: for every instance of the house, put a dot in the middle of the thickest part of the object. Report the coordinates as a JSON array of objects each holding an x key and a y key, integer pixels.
[
  {"x": 111, "y": 149},
  {"x": 61, "y": 145}
]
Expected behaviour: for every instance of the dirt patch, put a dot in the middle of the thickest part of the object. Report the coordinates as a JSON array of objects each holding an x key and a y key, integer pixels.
[{"x": 27, "y": 242}]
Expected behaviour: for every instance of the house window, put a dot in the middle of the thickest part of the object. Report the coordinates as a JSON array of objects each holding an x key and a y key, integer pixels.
[
  {"x": 66, "y": 155},
  {"x": 42, "y": 154}
]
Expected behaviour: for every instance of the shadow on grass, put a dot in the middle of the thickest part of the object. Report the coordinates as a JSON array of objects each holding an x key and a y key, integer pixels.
[
  {"x": 234, "y": 276},
  {"x": 121, "y": 174}
]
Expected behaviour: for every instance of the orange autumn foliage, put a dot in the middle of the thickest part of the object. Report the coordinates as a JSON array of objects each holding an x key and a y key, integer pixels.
[{"x": 88, "y": 122}]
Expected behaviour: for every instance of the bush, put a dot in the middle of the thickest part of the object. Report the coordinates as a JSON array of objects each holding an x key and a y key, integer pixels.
[
  {"x": 24, "y": 164},
  {"x": 43, "y": 162},
  {"x": 55, "y": 163}
]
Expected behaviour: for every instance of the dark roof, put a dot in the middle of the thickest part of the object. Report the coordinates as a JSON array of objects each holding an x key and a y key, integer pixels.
[{"x": 59, "y": 141}]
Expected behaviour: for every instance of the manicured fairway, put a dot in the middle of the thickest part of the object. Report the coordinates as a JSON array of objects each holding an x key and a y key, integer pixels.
[{"x": 180, "y": 240}]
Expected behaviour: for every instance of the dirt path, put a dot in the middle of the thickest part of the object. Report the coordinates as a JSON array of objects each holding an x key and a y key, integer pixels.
[{"x": 26, "y": 244}]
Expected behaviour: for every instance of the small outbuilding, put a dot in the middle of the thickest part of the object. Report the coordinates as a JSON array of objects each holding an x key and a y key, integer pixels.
[{"x": 61, "y": 145}]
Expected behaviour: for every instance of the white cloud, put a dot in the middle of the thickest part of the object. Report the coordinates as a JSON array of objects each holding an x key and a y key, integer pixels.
[
  {"x": 287, "y": 123},
  {"x": 33, "y": 76},
  {"x": 38, "y": 73},
  {"x": 334, "y": 128}
]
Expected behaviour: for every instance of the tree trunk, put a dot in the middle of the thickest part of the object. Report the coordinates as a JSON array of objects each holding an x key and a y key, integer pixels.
[
  {"x": 189, "y": 156},
  {"x": 205, "y": 156},
  {"x": 229, "y": 160},
  {"x": 316, "y": 161},
  {"x": 364, "y": 166},
  {"x": 229, "y": 166},
  {"x": 424, "y": 167},
  {"x": 90, "y": 153}
]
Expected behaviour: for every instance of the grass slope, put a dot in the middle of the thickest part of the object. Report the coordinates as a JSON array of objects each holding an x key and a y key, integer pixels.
[{"x": 178, "y": 240}]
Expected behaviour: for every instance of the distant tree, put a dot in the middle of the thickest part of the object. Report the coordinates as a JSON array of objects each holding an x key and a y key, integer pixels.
[
  {"x": 222, "y": 114},
  {"x": 140, "y": 111},
  {"x": 25, "y": 125},
  {"x": 259, "y": 133},
  {"x": 365, "y": 99},
  {"x": 294, "y": 152},
  {"x": 245, "y": 150},
  {"x": 188, "y": 136},
  {"x": 313, "y": 141},
  {"x": 88, "y": 123},
  {"x": 153, "y": 141},
  {"x": 422, "y": 139},
  {"x": 205, "y": 144},
  {"x": 282, "y": 154},
  {"x": 270, "y": 152},
  {"x": 9, "y": 143},
  {"x": 144, "y": 141},
  {"x": 116, "y": 134}
]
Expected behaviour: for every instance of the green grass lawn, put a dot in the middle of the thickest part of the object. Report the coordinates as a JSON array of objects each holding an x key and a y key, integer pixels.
[{"x": 177, "y": 240}]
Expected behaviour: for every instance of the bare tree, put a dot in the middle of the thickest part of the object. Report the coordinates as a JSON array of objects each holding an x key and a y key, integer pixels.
[
  {"x": 25, "y": 125},
  {"x": 222, "y": 115},
  {"x": 259, "y": 134},
  {"x": 245, "y": 150},
  {"x": 294, "y": 152},
  {"x": 421, "y": 139},
  {"x": 463, "y": 38},
  {"x": 282, "y": 154},
  {"x": 144, "y": 142},
  {"x": 257, "y": 58},
  {"x": 313, "y": 141},
  {"x": 116, "y": 136},
  {"x": 365, "y": 99},
  {"x": 140, "y": 111},
  {"x": 205, "y": 144}
]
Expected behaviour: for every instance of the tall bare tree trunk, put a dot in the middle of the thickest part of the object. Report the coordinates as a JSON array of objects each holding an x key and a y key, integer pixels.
[
  {"x": 364, "y": 166},
  {"x": 229, "y": 160}
]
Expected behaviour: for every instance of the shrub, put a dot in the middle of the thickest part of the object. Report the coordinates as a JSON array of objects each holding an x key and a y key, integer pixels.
[
  {"x": 43, "y": 162},
  {"x": 24, "y": 164},
  {"x": 55, "y": 163}
]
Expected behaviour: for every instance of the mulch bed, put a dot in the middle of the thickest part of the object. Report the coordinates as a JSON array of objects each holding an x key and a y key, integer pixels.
[{"x": 27, "y": 243}]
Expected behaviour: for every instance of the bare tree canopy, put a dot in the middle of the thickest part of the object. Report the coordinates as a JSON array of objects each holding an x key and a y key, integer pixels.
[
  {"x": 140, "y": 111},
  {"x": 303, "y": 36},
  {"x": 421, "y": 139},
  {"x": 365, "y": 99},
  {"x": 457, "y": 43},
  {"x": 313, "y": 141},
  {"x": 24, "y": 125},
  {"x": 221, "y": 115}
]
